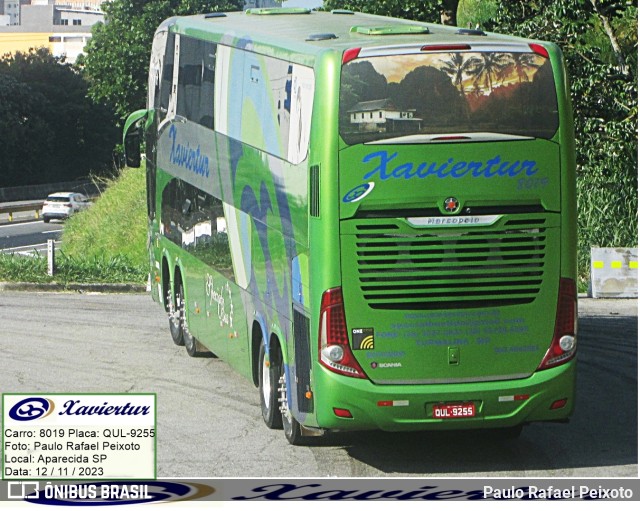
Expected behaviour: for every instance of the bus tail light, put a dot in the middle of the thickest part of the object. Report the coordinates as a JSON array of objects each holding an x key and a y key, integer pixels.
[
  {"x": 333, "y": 339},
  {"x": 349, "y": 55},
  {"x": 564, "y": 344},
  {"x": 445, "y": 47},
  {"x": 539, "y": 49}
]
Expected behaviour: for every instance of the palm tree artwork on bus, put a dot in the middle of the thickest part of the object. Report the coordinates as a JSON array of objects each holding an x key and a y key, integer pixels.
[{"x": 448, "y": 93}]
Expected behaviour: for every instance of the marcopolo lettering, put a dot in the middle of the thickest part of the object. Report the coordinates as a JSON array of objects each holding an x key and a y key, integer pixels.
[
  {"x": 187, "y": 157},
  {"x": 387, "y": 168}
]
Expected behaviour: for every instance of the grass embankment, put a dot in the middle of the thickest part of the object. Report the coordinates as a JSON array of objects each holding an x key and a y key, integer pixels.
[{"x": 104, "y": 244}]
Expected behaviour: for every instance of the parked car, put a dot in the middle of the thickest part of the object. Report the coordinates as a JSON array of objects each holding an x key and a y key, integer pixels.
[{"x": 62, "y": 205}]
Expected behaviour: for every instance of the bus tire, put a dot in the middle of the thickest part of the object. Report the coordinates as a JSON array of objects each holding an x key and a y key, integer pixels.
[
  {"x": 176, "y": 316},
  {"x": 191, "y": 344},
  {"x": 268, "y": 376},
  {"x": 292, "y": 429}
]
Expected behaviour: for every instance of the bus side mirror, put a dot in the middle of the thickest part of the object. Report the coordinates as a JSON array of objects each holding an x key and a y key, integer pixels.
[
  {"x": 131, "y": 138},
  {"x": 132, "y": 148}
]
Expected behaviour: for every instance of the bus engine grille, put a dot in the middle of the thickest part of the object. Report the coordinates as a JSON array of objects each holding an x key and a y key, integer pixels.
[{"x": 472, "y": 269}]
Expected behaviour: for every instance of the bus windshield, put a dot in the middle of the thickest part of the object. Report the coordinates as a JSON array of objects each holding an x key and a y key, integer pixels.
[{"x": 412, "y": 97}]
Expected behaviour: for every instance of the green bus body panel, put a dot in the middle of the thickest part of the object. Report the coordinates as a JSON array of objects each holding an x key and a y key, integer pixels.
[
  {"x": 389, "y": 262},
  {"x": 479, "y": 175},
  {"x": 409, "y": 407},
  {"x": 443, "y": 304},
  {"x": 422, "y": 299}
]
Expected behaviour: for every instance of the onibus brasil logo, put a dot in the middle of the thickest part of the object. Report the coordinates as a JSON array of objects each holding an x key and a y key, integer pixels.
[{"x": 32, "y": 408}]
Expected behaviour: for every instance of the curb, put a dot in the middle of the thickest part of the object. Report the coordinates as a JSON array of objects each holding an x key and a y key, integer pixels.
[{"x": 77, "y": 287}]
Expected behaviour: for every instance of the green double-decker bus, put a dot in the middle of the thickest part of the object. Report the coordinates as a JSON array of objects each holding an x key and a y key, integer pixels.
[{"x": 372, "y": 219}]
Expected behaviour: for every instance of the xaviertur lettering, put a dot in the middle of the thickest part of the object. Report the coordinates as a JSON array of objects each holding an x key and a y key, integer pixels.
[
  {"x": 386, "y": 168},
  {"x": 318, "y": 492},
  {"x": 72, "y": 407},
  {"x": 187, "y": 157}
]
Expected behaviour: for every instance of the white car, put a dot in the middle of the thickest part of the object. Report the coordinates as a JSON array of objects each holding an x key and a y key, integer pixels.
[{"x": 63, "y": 204}]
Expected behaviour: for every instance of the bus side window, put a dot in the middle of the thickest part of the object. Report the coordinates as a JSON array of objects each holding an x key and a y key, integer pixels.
[
  {"x": 155, "y": 69},
  {"x": 196, "y": 81},
  {"x": 167, "y": 76}
]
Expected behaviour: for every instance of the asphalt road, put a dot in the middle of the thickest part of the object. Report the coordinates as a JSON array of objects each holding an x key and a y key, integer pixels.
[
  {"x": 209, "y": 422},
  {"x": 28, "y": 237}
]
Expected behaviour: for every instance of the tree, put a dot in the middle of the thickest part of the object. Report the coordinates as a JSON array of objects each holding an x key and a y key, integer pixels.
[
  {"x": 117, "y": 56},
  {"x": 431, "y": 11},
  {"x": 489, "y": 67},
  {"x": 19, "y": 123},
  {"x": 600, "y": 45},
  {"x": 458, "y": 66},
  {"x": 51, "y": 130}
]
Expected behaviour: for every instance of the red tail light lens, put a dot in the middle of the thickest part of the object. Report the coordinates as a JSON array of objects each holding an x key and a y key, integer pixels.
[
  {"x": 445, "y": 47},
  {"x": 539, "y": 49},
  {"x": 333, "y": 340},
  {"x": 564, "y": 345},
  {"x": 349, "y": 55}
]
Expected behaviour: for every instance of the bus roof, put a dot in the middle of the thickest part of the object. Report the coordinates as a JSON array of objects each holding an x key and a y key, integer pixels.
[{"x": 312, "y": 32}]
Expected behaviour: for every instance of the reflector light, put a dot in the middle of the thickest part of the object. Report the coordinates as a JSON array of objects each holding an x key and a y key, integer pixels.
[
  {"x": 343, "y": 412},
  {"x": 560, "y": 403},
  {"x": 349, "y": 55},
  {"x": 445, "y": 47},
  {"x": 517, "y": 397},
  {"x": 402, "y": 402},
  {"x": 539, "y": 49}
]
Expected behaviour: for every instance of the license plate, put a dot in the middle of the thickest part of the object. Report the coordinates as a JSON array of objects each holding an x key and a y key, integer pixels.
[{"x": 454, "y": 411}]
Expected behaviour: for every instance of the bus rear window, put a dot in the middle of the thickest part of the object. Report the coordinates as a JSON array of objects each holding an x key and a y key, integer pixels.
[{"x": 396, "y": 96}]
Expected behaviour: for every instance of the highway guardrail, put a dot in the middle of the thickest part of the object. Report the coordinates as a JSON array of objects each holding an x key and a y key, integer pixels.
[{"x": 35, "y": 206}]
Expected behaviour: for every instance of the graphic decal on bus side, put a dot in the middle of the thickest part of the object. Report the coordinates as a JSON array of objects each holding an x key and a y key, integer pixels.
[{"x": 224, "y": 300}]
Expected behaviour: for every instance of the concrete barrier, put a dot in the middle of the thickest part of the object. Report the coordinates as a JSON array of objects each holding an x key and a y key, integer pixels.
[{"x": 614, "y": 272}]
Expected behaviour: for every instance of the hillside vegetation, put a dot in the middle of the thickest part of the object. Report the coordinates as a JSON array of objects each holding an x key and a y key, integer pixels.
[
  {"x": 104, "y": 244},
  {"x": 115, "y": 226}
]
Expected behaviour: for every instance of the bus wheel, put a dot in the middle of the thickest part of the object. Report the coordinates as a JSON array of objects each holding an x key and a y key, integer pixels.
[
  {"x": 291, "y": 426},
  {"x": 191, "y": 344},
  {"x": 269, "y": 374},
  {"x": 176, "y": 316}
]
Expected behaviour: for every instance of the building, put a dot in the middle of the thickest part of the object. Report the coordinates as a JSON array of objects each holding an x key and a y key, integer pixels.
[
  {"x": 62, "y": 26},
  {"x": 382, "y": 115}
]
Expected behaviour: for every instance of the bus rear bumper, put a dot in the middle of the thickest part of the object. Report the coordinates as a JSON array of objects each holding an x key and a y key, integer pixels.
[{"x": 547, "y": 395}]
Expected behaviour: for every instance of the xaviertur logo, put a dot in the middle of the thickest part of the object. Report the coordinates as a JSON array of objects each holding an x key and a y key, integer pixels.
[
  {"x": 31, "y": 408},
  {"x": 187, "y": 157},
  {"x": 387, "y": 168},
  {"x": 73, "y": 407}
]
